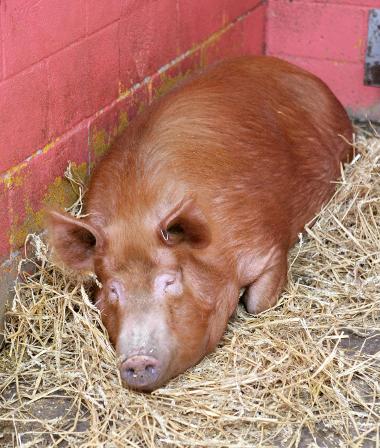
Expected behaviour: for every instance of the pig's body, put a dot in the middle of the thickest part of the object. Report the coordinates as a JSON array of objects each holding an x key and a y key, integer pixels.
[{"x": 203, "y": 195}]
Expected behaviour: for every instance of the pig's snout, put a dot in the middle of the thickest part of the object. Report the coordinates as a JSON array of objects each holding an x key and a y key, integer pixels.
[{"x": 140, "y": 371}]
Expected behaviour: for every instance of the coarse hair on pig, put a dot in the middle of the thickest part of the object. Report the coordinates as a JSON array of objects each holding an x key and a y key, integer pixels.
[{"x": 202, "y": 195}]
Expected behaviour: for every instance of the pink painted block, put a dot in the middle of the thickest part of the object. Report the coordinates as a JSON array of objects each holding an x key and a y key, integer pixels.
[
  {"x": 104, "y": 66},
  {"x": 34, "y": 30},
  {"x": 4, "y": 223},
  {"x": 365, "y": 3},
  {"x": 102, "y": 131},
  {"x": 162, "y": 83},
  {"x": 190, "y": 63},
  {"x": 1, "y": 47},
  {"x": 70, "y": 92},
  {"x": 319, "y": 30},
  {"x": 228, "y": 44},
  {"x": 24, "y": 113},
  {"x": 39, "y": 174},
  {"x": 112, "y": 121},
  {"x": 245, "y": 37},
  {"x": 253, "y": 31},
  {"x": 148, "y": 38},
  {"x": 128, "y": 6},
  {"x": 100, "y": 13},
  {"x": 83, "y": 79},
  {"x": 198, "y": 19},
  {"x": 136, "y": 103},
  {"x": 346, "y": 81},
  {"x": 235, "y": 8}
]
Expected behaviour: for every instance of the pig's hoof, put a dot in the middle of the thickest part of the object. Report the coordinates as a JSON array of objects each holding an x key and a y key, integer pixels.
[{"x": 140, "y": 372}]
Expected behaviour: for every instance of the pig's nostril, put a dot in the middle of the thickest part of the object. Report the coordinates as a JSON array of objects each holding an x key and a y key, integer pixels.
[
  {"x": 140, "y": 371},
  {"x": 149, "y": 369}
]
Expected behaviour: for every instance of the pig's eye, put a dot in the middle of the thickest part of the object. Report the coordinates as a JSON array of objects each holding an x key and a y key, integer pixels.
[
  {"x": 113, "y": 293},
  {"x": 175, "y": 229}
]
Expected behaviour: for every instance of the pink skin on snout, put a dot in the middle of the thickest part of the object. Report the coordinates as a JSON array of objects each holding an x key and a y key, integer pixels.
[{"x": 143, "y": 343}]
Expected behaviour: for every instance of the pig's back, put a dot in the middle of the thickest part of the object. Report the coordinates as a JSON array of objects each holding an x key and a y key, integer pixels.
[
  {"x": 254, "y": 133},
  {"x": 257, "y": 140}
]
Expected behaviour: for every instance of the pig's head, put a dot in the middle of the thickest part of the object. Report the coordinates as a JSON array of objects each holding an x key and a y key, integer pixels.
[{"x": 164, "y": 304}]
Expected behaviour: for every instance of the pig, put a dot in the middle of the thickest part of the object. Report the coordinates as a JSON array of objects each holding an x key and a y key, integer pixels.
[{"x": 202, "y": 196}]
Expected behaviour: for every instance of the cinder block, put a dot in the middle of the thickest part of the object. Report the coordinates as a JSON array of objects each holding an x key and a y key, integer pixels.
[
  {"x": 198, "y": 19},
  {"x": 235, "y": 8},
  {"x": 245, "y": 37},
  {"x": 148, "y": 38},
  {"x": 365, "y": 3},
  {"x": 103, "y": 128},
  {"x": 70, "y": 99},
  {"x": 191, "y": 62},
  {"x": 136, "y": 103},
  {"x": 100, "y": 13},
  {"x": 316, "y": 30},
  {"x": 104, "y": 65},
  {"x": 226, "y": 45},
  {"x": 345, "y": 79},
  {"x": 113, "y": 120},
  {"x": 253, "y": 31},
  {"x": 83, "y": 79},
  {"x": 24, "y": 112},
  {"x": 130, "y": 5},
  {"x": 1, "y": 47},
  {"x": 34, "y": 30},
  {"x": 162, "y": 83},
  {"x": 39, "y": 184},
  {"x": 4, "y": 222}
]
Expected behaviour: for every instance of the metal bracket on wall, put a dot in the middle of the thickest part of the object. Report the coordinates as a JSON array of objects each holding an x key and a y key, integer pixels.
[{"x": 372, "y": 61}]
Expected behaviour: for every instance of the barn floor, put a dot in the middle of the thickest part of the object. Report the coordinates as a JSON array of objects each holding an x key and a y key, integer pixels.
[
  {"x": 14, "y": 434},
  {"x": 303, "y": 374},
  {"x": 24, "y": 434}
]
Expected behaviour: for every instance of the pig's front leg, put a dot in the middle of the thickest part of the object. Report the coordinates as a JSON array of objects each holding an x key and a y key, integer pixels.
[{"x": 263, "y": 293}]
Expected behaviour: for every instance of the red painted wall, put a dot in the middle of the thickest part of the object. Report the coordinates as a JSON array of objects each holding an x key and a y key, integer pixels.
[
  {"x": 74, "y": 72},
  {"x": 327, "y": 37}
]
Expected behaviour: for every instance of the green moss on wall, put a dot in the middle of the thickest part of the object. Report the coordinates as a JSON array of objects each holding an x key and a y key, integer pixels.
[
  {"x": 168, "y": 82},
  {"x": 122, "y": 123},
  {"x": 59, "y": 194},
  {"x": 99, "y": 142}
]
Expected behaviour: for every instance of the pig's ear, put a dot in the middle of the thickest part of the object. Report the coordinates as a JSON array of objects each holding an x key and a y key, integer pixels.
[
  {"x": 186, "y": 223},
  {"x": 74, "y": 240}
]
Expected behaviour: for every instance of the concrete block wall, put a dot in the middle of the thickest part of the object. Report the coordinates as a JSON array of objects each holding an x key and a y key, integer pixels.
[
  {"x": 329, "y": 38},
  {"x": 73, "y": 73}
]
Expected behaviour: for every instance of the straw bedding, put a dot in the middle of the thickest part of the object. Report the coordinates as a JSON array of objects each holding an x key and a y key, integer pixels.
[{"x": 305, "y": 373}]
